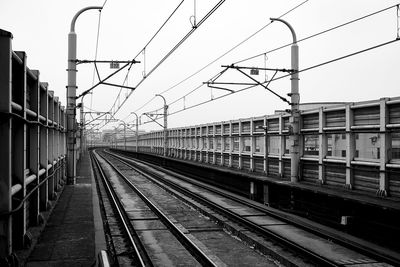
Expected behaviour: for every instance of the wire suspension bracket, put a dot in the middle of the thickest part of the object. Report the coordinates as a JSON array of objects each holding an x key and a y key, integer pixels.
[
  {"x": 256, "y": 82},
  {"x": 398, "y": 21}
]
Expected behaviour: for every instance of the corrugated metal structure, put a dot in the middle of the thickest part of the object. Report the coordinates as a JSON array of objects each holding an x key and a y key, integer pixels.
[
  {"x": 352, "y": 145},
  {"x": 32, "y": 142}
]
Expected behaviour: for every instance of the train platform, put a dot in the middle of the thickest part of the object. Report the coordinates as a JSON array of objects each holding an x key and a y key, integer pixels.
[{"x": 74, "y": 234}]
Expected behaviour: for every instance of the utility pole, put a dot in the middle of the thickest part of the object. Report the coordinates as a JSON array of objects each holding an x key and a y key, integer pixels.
[
  {"x": 124, "y": 134},
  {"x": 71, "y": 99},
  {"x": 165, "y": 126},
  {"x": 137, "y": 130},
  {"x": 82, "y": 120},
  {"x": 295, "y": 102}
]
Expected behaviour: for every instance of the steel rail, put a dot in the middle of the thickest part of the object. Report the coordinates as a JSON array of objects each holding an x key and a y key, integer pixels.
[
  {"x": 319, "y": 259},
  {"x": 143, "y": 260},
  {"x": 337, "y": 238},
  {"x": 367, "y": 249},
  {"x": 188, "y": 244}
]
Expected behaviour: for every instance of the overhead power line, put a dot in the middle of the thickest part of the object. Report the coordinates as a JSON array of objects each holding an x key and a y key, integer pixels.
[
  {"x": 131, "y": 62},
  {"x": 157, "y": 32},
  {"x": 319, "y": 33},
  {"x": 95, "y": 53},
  {"x": 224, "y": 54},
  {"x": 170, "y": 53},
  {"x": 283, "y": 76},
  {"x": 303, "y": 39}
]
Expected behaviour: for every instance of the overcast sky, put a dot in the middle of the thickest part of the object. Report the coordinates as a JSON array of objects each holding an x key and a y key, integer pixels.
[{"x": 41, "y": 28}]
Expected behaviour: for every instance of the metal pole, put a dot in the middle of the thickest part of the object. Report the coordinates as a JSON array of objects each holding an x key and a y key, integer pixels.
[
  {"x": 137, "y": 130},
  {"x": 165, "y": 126},
  {"x": 115, "y": 138},
  {"x": 82, "y": 126},
  {"x": 83, "y": 132},
  {"x": 124, "y": 134},
  {"x": 295, "y": 101},
  {"x": 71, "y": 99}
]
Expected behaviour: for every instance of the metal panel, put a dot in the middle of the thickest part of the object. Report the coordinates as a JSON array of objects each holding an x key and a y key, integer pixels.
[
  {"x": 394, "y": 114},
  {"x": 246, "y": 127},
  {"x": 218, "y": 129},
  {"x": 273, "y": 167},
  {"x": 366, "y": 178},
  {"x": 31, "y": 92},
  {"x": 273, "y": 125},
  {"x": 335, "y": 174},
  {"x": 258, "y": 126},
  {"x": 309, "y": 171},
  {"x": 335, "y": 118},
  {"x": 218, "y": 158},
  {"x": 5, "y": 142},
  {"x": 258, "y": 164},
  {"x": 310, "y": 121},
  {"x": 286, "y": 169},
  {"x": 394, "y": 182},
  {"x": 210, "y": 157},
  {"x": 235, "y": 161},
  {"x": 226, "y": 160},
  {"x": 226, "y": 128},
  {"x": 18, "y": 80},
  {"x": 286, "y": 123},
  {"x": 245, "y": 163},
  {"x": 366, "y": 116},
  {"x": 235, "y": 127},
  {"x": 203, "y": 156}
]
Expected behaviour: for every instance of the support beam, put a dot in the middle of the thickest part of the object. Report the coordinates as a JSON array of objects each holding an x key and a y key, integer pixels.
[
  {"x": 43, "y": 153},
  {"x": 5, "y": 142},
  {"x": 34, "y": 139},
  {"x": 18, "y": 149},
  {"x": 385, "y": 144}
]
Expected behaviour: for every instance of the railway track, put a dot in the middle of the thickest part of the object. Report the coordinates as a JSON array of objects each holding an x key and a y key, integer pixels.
[
  {"x": 139, "y": 255},
  {"x": 322, "y": 247}
]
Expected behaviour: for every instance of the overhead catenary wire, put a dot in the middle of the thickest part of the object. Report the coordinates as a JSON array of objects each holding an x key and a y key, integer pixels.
[
  {"x": 96, "y": 50},
  {"x": 231, "y": 49},
  {"x": 303, "y": 70},
  {"x": 151, "y": 39},
  {"x": 225, "y": 53},
  {"x": 318, "y": 33},
  {"x": 172, "y": 51},
  {"x": 303, "y": 39},
  {"x": 284, "y": 76},
  {"x": 157, "y": 32},
  {"x": 120, "y": 90}
]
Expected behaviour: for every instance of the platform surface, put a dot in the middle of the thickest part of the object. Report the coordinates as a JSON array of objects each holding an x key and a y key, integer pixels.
[{"x": 69, "y": 238}]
